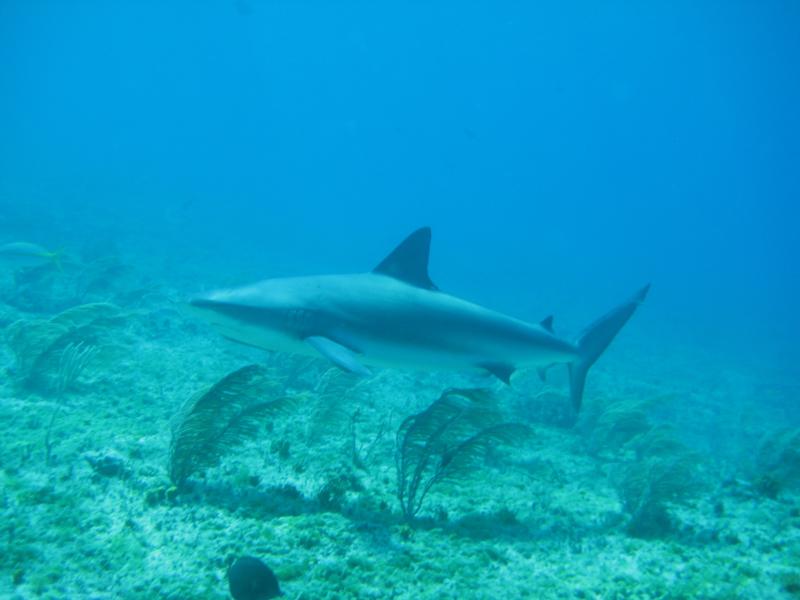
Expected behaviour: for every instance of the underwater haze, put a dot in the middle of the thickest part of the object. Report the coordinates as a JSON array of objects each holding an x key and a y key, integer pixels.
[{"x": 563, "y": 154}]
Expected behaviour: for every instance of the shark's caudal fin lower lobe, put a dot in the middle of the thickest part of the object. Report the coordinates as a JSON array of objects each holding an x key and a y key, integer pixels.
[{"x": 595, "y": 339}]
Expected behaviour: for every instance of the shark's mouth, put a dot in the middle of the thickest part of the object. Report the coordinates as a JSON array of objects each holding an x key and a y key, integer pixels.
[
  {"x": 242, "y": 324},
  {"x": 239, "y": 312}
]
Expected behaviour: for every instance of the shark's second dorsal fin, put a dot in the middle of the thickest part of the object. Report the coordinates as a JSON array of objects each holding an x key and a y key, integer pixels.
[{"x": 409, "y": 261}]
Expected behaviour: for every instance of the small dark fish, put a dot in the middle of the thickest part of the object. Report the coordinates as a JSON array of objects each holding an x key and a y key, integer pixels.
[{"x": 250, "y": 579}]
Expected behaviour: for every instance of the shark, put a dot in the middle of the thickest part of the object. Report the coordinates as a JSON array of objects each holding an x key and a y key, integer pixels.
[{"x": 395, "y": 316}]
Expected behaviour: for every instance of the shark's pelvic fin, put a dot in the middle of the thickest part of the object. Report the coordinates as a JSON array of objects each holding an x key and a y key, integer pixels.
[
  {"x": 502, "y": 371},
  {"x": 409, "y": 261},
  {"x": 595, "y": 339},
  {"x": 342, "y": 357}
]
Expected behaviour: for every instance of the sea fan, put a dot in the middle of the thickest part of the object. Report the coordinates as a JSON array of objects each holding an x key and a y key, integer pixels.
[
  {"x": 334, "y": 395},
  {"x": 43, "y": 347},
  {"x": 445, "y": 441},
  {"x": 222, "y": 417},
  {"x": 659, "y": 440},
  {"x": 618, "y": 424},
  {"x": 646, "y": 486},
  {"x": 777, "y": 462}
]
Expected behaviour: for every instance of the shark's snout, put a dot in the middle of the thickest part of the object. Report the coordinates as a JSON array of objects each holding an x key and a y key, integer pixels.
[
  {"x": 204, "y": 306},
  {"x": 235, "y": 315},
  {"x": 201, "y": 302}
]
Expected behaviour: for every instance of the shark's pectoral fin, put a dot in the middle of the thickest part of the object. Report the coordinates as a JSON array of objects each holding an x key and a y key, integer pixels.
[
  {"x": 500, "y": 370},
  {"x": 342, "y": 357}
]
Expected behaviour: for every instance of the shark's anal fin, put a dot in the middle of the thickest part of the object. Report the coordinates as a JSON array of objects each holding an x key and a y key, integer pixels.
[
  {"x": 500, "y": 370},
  {"x": 339, "y": 355},
  {"x": 409, "y": 261}
]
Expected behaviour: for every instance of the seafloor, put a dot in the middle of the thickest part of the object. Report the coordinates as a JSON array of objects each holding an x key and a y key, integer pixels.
[{"x": 675, "y": 482}]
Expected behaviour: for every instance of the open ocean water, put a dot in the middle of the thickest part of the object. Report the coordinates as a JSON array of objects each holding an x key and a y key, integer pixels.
[{"x": 563, "y": 155}]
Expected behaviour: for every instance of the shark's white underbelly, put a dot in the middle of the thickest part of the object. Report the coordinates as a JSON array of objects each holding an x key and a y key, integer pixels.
[
  {"x": 433, "y": 353},
  {"x": 387, "y": 352}
]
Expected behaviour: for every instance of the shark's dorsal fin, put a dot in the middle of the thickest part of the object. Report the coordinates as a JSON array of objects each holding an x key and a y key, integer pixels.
[
  {"x": 409, "y": 261},
  {"x": 547, "y": 323}
]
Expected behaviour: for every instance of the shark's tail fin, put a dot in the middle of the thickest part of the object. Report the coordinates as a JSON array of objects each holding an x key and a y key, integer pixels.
[{"x": 595, "y": 339}]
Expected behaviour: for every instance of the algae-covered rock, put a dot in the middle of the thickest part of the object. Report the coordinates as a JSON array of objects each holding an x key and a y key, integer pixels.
[{"x": 108, "y": 463}]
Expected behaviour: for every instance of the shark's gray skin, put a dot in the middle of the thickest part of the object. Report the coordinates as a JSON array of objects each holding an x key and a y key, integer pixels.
[{"x": 395, "y": 316}]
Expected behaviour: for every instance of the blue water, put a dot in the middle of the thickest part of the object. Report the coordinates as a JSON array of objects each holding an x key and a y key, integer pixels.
[
  {"x": 564, "y": 154},
  {"x": 559, "y": 149}
]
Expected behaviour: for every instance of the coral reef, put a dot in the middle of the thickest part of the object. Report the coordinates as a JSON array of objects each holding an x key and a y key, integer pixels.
[{"x": 637, "y": 500}]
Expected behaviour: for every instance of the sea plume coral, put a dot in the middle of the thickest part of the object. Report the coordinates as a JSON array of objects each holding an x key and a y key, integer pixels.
[
  {"x": 777, "y": 464},
  {"x": 617, "y": 424},
  {"x": 223, "y": 416},
  {"x": 51, "y": 353},
  {"x": 447, "y": 440},
  {"x": 647, "y": 485},
  {"x": 651, "y": 467}
]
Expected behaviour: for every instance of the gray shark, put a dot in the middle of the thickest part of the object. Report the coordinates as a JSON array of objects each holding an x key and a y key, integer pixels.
[{"x": 394, "y": 316}]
